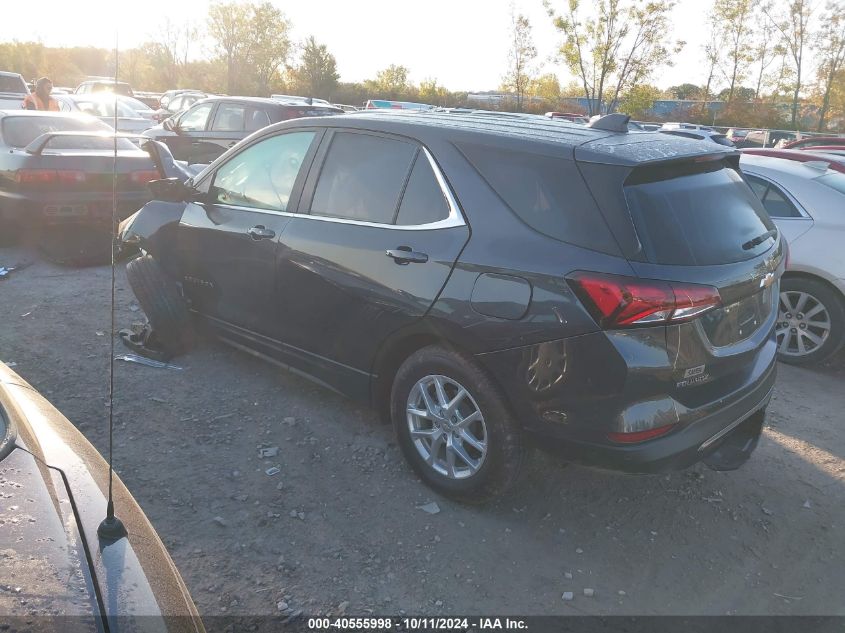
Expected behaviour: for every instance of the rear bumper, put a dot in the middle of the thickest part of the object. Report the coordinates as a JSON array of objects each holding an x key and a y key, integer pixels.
[{"x": 592, "y": 385}]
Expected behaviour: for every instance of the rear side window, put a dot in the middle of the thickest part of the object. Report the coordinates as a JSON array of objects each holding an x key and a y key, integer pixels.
[
  {"x": 545, "y": 192},
  {"x": 230, "y": 117},
  {"x": 774, "y": 200},
  {"x": 423, "y": 201},
  {"x": 362, "y": 178},
  {"x": 703, "y": 214}
]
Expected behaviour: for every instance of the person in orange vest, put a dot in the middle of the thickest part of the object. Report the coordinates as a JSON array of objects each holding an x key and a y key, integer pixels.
[{"x": 40, "y": 98}]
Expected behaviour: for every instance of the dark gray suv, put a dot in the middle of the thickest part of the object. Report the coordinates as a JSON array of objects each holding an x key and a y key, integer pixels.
[{"x": 489, "y": 283}]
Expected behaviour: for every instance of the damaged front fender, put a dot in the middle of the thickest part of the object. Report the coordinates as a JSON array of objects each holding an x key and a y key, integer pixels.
[{"x": 152, "y": 228}]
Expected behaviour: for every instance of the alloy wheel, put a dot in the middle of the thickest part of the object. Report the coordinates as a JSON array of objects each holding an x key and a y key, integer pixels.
[
  {"x": 803, "y": 323},
  {"x": 447, "y": 427}
]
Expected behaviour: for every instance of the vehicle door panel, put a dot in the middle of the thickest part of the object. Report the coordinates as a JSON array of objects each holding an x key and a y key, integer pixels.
[
  {"x": 190, "y": 129},
  {"x": 225, "y": 130},
  {"x": 229, "y": 241},
  {"x": 339, "y": 294}
]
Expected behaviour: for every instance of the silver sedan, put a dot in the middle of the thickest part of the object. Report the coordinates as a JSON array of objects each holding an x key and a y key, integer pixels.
[{"x": 807, "y": 202}]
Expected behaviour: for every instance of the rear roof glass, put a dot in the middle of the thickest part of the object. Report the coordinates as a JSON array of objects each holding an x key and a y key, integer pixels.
[
  {"x": 696, "y": 214},
  {"x": 545, "y": 192}
]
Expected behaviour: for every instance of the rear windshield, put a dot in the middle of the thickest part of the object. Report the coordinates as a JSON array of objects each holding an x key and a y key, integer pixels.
[
  {"x": 12, "y": 84},
  {"x": 20, "y": 131},
  {"x": 701, "y": 214},
  {"x": 547, "y": 193}
]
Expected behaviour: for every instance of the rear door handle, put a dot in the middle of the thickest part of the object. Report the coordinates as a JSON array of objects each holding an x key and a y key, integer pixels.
[
  {"x": 405, "y": 255},
  {"x": 261, "y": 232}
]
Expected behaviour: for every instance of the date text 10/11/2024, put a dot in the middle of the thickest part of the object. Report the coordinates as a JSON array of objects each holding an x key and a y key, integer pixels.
[{"x": 416, "y": 623}]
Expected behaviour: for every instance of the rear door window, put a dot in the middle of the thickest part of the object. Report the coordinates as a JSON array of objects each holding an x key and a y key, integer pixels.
[
  {"x": 230, "y": 117},
  {"x": 696, "y": 214},
  {"x": 362, "y": 178}
]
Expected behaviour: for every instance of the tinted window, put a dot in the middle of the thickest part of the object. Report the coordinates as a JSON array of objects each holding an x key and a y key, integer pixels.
[
  {"x": 547, "y": 193},
  {"x": 20, "y": 131},
  {"x": 195, "y": 119},
  {"x": 262, "y": 176},
  {"x": 12, "y": 84},
  {"x": 256, "y": 119},
  {"x": 702, "y": 215},
  {"x": 362, "y": 178},
  {"x": 423, "y": 201},
  {"x": 774, "y": 200},
  {"x": 230, "y": 117}
]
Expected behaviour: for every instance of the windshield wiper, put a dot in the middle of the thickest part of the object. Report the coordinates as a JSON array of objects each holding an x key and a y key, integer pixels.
[{"x": 759, "y": 239}]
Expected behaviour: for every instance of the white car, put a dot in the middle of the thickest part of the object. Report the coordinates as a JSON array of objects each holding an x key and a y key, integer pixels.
[
  {"x": 102, "y": 105},
  {"x": 13, "y": 91},
  {"x": 807, "y": 203}
]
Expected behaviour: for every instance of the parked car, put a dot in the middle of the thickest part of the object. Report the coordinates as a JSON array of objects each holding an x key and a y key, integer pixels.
[
  {"x": 346, "y": 108},
  {"x": 54, "y": 498},
  {"x": 684, "y": 126},
  {"x": 178, "y": 103},
  {"x": 837, "y": 163},
  {"x": 104, "y": 85},
  {"x": 103, "y": 106},
  {"x": 815, "y": 141},
  {"x": 56, "y": 178},
  {"x": 385, "y": 104},
  {"x": 298, "y": 99},
  {"x": 150, "y": 99},
  {"x": 806, "y": 201},
  {"x": 702, "y": 135},
  {"x": 736, "y": 135},
  {"x": 826, "y": 149},
  {"x": 615, "y": 300},
  {"x": 569, "y": 116},
  {"x": 13, "y": 91},
  {"x": 211, "y": 126}
]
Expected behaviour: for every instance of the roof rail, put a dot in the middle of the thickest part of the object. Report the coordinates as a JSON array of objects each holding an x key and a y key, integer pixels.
[{"x": 616, "y": 122}]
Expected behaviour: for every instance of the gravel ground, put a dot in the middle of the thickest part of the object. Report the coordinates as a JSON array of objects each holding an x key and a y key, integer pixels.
[{"x": 339, "y": 528}]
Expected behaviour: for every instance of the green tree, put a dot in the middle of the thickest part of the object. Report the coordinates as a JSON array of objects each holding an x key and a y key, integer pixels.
[
  {"x": 617, "y": 45},
  {"x": 390, "y": 83},
  {"x": 521, "y": 57},
  {"x": 316, "y": 74},
  {"x": 229, "y": 26},
  {"x": 547, "y": 87},
  {"x": 830, "y": 46},
  {"x": 685, "y": 92},
  {"x": 732, "y": 18},
  {"x": 793, "y": 22},
  {"x": 270, "y": 44},
  {"x": 639, "y": 100}
]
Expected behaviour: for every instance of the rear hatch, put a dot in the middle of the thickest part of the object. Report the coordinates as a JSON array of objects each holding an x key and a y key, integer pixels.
[{"x": 683, "y": 214}]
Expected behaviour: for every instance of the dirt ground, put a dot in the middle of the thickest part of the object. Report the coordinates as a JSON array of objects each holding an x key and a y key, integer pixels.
[{"x": 339, "y": 527}]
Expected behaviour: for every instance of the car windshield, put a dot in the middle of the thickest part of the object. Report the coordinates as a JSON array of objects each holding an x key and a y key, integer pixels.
[
  {"x": 10, "y": 83},
  {"x": 20, "y": 131},
  {"x": 105, "y": 108}
]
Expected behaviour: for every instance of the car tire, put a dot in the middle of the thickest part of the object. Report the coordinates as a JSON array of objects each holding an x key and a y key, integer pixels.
[
  {"x": 162, "y": 302},
  {"x": 822, "y": 316},
  {"x": 492, "y": 440}
]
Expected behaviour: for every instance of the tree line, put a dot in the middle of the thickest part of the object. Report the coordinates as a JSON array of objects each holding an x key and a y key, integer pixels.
[{"x": 757, "y": 56}]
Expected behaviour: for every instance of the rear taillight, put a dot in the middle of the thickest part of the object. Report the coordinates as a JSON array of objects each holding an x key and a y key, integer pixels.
[
  {"x": 144, "y": 176},
  {"x": 36, "y": 176},
  {"x": 41, "y": 177},
  {"x": 616, "y": 301}
]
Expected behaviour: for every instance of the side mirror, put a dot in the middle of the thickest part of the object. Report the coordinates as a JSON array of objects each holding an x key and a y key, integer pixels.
[
  {"x": 173, "y": 190},
  {"x": 170, "y": 125}
]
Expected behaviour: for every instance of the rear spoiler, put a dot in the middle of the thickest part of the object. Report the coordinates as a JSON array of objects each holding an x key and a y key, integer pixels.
[{"x": 37, "y": 146}]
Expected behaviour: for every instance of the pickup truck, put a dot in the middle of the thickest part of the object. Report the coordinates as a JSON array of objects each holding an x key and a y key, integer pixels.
[{"x": 13, "y": 90}]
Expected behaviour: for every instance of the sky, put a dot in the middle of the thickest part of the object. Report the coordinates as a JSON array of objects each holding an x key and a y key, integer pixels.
[{"x": 461, "y": 43}]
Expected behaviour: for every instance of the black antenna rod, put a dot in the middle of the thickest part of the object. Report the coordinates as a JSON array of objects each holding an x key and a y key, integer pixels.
[{"x": 112, "y": 528}]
